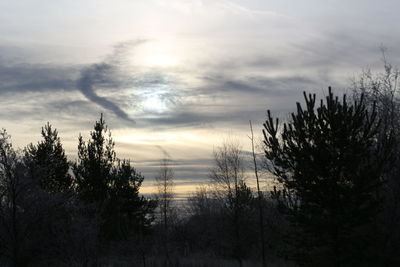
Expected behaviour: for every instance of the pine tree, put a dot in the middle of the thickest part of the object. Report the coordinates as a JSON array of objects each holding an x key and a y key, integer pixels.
[
  {"x": 126, "y": 211},
  {"x": 330, "y": 166},
  {"x": 111, "y": 185},
  {"x": 94, "y": 166},
  {"x": 48, "y": 163}
]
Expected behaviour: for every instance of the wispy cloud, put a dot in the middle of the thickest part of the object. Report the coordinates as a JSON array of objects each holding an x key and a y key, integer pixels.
[
  {"x": 106, "y": 74},
  {"x": 93, "y": 75}
]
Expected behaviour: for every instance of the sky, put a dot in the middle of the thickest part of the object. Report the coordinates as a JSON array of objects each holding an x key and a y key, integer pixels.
[{"x": 176, "y": 78}]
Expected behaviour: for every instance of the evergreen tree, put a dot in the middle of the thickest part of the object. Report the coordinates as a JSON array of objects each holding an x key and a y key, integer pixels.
[
  {"x": 126, "y": 211},
  {"x": 330, "y": 165},
  {"x": 94, "y": 166},
  {"x": 111, "y": 185},
  {"x": 48, "y": 163},
  {"x": 32, "y": 220}
]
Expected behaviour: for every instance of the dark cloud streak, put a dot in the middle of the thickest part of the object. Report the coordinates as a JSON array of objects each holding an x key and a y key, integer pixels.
[
  {"x": 85, "y": 84},
  {"x": 106, "y": 73}
]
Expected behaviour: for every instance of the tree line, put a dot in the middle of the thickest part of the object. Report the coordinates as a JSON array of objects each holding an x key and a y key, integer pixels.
[{"x": 336, "y": 199}]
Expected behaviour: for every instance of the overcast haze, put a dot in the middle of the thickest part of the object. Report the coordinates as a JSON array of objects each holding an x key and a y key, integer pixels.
[{"x": 177, "y": 77}]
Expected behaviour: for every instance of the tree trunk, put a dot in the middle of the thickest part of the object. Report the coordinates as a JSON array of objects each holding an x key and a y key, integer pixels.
[{"x": 260, "y": 210}]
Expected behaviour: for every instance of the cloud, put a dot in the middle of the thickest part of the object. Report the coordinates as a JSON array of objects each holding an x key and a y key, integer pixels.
[
  {"x": 228, "y": 89},
  {"x": 106, "y": 74},
  {"x": 109, "y": 74},
  {"x": 96, "y": 74},
  {"x": 214, "y": 7},
  {"x": 23, "y": 78},
  {"x": 267, "y": 86},
  {"x": 166, "y": 155}
]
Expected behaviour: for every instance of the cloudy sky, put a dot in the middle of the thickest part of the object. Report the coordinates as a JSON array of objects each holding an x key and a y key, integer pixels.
[{"x": 177, "y": 77}]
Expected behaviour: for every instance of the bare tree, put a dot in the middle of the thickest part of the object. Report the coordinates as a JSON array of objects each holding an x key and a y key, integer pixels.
[
  {"x": 228, "y": 178},
  {"x": 382, "y": 91},
  {"x": 260, "y": 199},
  {"x": 228, "y": 173},
  {"x": 165, "y": 186},
  {"x": 11, "y": 187}
]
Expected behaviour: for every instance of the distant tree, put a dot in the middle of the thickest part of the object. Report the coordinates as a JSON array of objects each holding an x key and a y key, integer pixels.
[
  {"x": 228, "y": 173},
  {"x": 330, "y": 164},
  {"x": 202, "y": 202},
  {"x": 48, "y": 163},
  {"x": 381, "y": 89},
  {"x": 205, "y": 223},
  {"x": 165, "y": 186},
  {"x": 111, "y": 185},
  {"x": 228, "y": 179}
]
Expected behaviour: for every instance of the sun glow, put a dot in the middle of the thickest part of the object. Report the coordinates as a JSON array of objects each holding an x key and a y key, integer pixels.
[
  {"x": 158, "y": 54},
  {"x": 155, "y": 103},
  {"x": 171, "y": 138},
  {"x": 161, "y": 60}
]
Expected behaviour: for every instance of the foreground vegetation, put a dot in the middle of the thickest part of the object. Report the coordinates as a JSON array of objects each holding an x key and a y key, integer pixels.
[{"x": 337, "y": 202}]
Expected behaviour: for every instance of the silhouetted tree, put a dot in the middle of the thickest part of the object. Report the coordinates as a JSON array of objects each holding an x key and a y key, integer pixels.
[
  {"x": 13, "y": 245},
  {"x": 381, "y": 89},
  {"x": 165, "y": 185},
  {"x": 260, "y": 199},
  {"x": 94, "y": 166},
  {"x": 126, "y": 211},
  {"x": 228, "y": 179},
  {"x": 330, "y": 165},
  {"x": 48, "y": 163},
  {"x": 111, "y": 185},
  {"x": 30, "y": 217},
  {"x": 204, "y": 222}
]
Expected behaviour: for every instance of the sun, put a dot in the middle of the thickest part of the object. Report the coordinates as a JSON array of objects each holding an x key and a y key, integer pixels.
[{"x": 154, "y": 103}]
